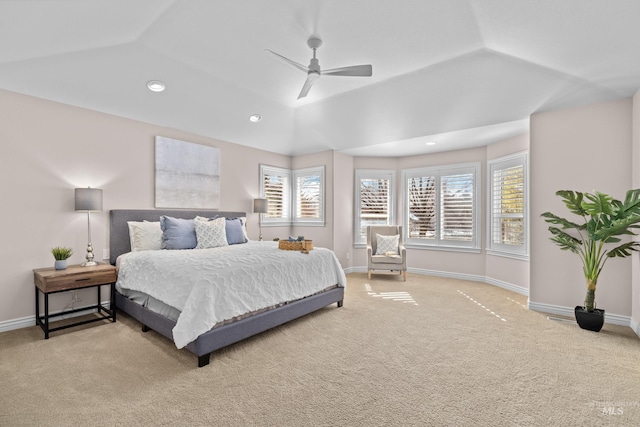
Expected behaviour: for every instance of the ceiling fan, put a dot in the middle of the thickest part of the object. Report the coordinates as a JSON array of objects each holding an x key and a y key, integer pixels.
[{"x": 314, "y": 72}]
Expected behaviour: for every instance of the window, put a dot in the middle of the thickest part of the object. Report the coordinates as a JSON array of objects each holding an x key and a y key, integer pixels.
[
  {"x": 374, "y": 197},
  {"x": 275, "y": 186},
  {"x": 295, "y": 197},
  {"x": 308, "y": 190},
  {"x": 441, "y": 206},
  {"x": 508, "y": 205}
]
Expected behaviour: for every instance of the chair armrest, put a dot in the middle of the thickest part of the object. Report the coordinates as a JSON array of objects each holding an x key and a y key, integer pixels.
[{"x": 401, "y": 249}]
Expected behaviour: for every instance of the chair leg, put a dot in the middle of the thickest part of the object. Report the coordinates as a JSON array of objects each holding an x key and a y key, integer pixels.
[
  {"x": 404, "y": 275},
  {"x": 369, "y": 274}
]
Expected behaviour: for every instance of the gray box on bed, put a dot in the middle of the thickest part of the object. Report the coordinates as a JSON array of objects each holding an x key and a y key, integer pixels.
[{"x": 217, "y": 337}]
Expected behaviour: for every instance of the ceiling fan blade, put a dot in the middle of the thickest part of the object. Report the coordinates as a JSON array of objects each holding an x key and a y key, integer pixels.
[
  {"x": 312, "y": 77},
  {"x": 294, "y": 63},
  {"x": 354, "y": 71}
]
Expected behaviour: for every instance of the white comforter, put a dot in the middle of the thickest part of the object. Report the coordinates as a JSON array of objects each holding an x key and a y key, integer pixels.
[{"x": 212, "y": 285}]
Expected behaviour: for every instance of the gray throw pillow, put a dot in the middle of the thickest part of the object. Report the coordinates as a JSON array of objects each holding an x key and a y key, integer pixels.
[{"x": 178, "y": 233}]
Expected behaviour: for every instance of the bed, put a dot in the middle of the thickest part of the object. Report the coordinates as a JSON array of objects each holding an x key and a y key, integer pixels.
[{"x": 224, "y": 332}]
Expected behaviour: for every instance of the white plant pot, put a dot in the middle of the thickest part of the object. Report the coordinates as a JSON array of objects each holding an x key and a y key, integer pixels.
[{"x": 61, "y": 264}]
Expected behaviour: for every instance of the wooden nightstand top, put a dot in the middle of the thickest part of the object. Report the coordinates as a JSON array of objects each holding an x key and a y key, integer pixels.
[{"x": 73, "y": 277}]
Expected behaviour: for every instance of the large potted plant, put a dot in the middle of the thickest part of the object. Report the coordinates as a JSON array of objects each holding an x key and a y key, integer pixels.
[{"x": 595, "y": 239}]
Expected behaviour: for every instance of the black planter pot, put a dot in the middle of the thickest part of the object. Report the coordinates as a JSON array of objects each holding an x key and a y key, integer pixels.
[{"x": 591, "y": 321}]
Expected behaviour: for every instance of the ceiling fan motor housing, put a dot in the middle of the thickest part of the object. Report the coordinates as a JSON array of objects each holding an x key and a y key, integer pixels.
[
  {"x": 314, "y": 42},
  {"x": 314, "y": 66}
]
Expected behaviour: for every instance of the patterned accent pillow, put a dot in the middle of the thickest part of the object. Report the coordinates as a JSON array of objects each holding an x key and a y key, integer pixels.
[
  {"x": 210, "y": 234},
  {"x": 387, "y": 244}
]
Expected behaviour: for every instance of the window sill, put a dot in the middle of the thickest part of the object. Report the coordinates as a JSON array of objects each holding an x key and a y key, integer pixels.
[
  {"x": 276, "y": 224},
  {"x": 308, "y": 224},
  {"x": 521, "y": 257},
  {"x": 444, "y": 248}
]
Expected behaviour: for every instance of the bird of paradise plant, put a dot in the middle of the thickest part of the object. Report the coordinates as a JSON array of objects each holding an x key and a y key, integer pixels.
[{"x": 604, "y": 220}]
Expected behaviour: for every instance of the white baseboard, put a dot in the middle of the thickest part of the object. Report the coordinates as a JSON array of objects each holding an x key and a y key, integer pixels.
[
  {"x": 26, "y": 322},
  {"x": 508, "y": 286},
  {"x": 460, "y": 276},
  {"x": 635, "y": 326},
  {"x": 354, "y": 270},
  {"x": 614, "y": 319}
]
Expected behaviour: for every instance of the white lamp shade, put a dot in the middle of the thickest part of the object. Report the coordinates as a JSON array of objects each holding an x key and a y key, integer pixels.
[
  {"x": 88, "y": 199},
  {"x": 260, "y": 205}
]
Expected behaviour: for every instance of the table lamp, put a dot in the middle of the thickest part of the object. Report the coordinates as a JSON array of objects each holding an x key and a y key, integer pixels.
[
  {"x": 89, "y": 200},
  {"x": 260, "y": 206}
]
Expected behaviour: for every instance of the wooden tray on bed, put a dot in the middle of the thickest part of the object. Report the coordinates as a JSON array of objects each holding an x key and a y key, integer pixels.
[{"x": 305, "y": 245}]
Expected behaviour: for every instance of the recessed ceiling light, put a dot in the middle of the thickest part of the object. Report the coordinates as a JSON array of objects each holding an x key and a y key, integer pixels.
[
  {"x": 156, "y": 85},
  {"x": 255, "y": 118},
  {"x": 431, "y": 143}
]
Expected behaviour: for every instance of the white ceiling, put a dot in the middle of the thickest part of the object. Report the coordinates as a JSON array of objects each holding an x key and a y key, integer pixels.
[{"x": 462, "y": 73}]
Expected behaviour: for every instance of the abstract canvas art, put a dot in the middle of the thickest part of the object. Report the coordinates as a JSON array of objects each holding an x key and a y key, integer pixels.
[{"x": 187, "y": 175}]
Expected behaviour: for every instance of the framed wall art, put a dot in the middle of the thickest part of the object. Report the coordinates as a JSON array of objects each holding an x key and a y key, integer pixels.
[{"x": 187, "y": 175}]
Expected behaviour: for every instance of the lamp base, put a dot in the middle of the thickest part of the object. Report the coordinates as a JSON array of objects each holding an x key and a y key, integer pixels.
[{"x": 89, "y": 262}]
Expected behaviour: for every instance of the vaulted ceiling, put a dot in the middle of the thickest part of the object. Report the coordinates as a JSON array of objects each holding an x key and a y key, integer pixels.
[{"x": 461, "y": 73}]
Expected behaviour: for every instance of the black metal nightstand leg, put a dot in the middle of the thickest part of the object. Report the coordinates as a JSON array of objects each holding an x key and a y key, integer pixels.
[
  {"x": 113, "y": 301},
  {"x": 37, "y": 307},
  {"x": 46, "y": 316}
]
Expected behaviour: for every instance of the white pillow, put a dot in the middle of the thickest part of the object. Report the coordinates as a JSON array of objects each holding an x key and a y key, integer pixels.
[
  {"x": 210, "y": 233},
  {"x": 387, "y": 244},
  {"x": 145, "y": 236}
]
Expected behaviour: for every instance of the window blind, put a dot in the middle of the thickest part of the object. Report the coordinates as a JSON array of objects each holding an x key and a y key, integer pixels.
[
  {"x": 422, "y": 207},
  {"x": 374, "y": 194},
  {"x": 276, "y": 189},
  {"x": 508, "y": 205},
  {"x": 456, "y": 207},
  {"x": 440, "y": 206}
]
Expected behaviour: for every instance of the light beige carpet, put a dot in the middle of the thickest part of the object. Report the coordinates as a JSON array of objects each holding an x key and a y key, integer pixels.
[{"x": 426, "y": 352}]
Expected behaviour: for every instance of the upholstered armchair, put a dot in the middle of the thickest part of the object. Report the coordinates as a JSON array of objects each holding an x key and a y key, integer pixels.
[{"x": 387, "y": 251}]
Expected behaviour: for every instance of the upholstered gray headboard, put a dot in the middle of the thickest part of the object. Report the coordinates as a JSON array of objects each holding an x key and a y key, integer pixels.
[{"x": 119, "y": 242}]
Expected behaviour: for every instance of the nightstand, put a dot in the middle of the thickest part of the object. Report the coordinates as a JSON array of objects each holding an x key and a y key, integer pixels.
[{"x": 51, "y": 281}]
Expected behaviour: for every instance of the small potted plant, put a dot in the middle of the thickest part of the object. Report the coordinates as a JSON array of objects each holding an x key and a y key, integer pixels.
[
  {"x": 604, "y": 219},
  {"x": 61, "y": 254}
]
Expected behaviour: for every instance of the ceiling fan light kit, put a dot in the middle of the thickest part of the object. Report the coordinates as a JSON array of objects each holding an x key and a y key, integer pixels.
[{"x": 314, "y": 71}]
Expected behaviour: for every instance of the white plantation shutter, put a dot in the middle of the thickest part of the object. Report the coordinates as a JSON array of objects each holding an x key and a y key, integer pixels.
[
  {"x": 422, "y": 207},
  {"x": 308, "y": 191},
  {"x": 374, "y": 191},
  {"x": 441, "y": 206},
  {"x": 295, "y": 197},
  {"x": 508, "y": 201},
  {"x": 276, "y": 187},
  {"x": 456, "y": 207}
]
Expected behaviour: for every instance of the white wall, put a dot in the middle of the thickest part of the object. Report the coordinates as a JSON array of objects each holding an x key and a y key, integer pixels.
[
  {"x": 321, "y": 236},
  {"x": 343, "y": 208},
  {"x": 499, "y": 269},
  {"x": 585, "y": 149},
  {"x": 50, "y": 148},
  {"x": 506, "y": 272},
  {"x": 635, "y": 259}
]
